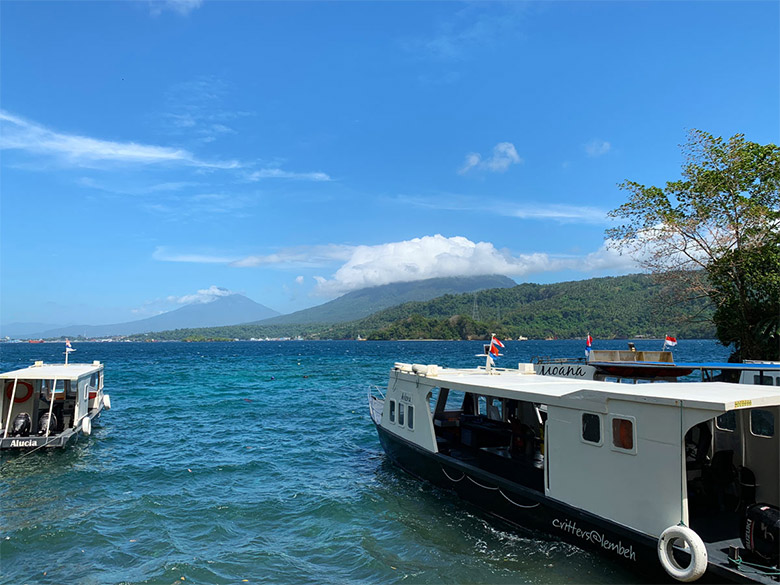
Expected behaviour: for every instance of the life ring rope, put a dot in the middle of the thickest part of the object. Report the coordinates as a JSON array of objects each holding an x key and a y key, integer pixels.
[{"x": 9, "y": 391}]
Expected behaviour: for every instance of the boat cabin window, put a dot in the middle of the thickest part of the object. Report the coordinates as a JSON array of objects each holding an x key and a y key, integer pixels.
[
  {"x": 763, "y": 380},
  {"x": 623, "y": 434},
  {"x": 392, "y": 411},
  {"x": 762, "y": 423},
  {"x": 481, "y": 406},
  {"x": 591, "y": 428},
  {"x": 727, "y": 421},
  {"x": 62, "y": 388},
  {"x": 93, "y": 380},
  {"x": 410, "y": 414},
  {"x": 495, "y": 408},
  {"x": 400, "y": 414}
]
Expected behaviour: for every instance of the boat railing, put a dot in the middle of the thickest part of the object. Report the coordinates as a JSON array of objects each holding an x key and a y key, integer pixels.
[{"x": 546, "y": 359}]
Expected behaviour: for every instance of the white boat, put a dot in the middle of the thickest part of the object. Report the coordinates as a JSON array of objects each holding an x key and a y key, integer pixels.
[
  {"x": 681, "y": 477},
  {"x": 656, "y": 366},
  {"x": 50, "y": 405}
]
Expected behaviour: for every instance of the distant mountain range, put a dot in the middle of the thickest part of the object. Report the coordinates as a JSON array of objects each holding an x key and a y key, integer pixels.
[
  {"x": 367, "y": 301},
  {"x": 237, "y": 309},
  {"x": 227, "y": 310}
]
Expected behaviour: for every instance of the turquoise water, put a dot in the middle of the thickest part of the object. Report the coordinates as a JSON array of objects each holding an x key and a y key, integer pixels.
[{"x": 257, "y": 462}]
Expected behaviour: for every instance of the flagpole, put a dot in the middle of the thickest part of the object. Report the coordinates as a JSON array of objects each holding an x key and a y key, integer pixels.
[{"x": 66, "y": 352}]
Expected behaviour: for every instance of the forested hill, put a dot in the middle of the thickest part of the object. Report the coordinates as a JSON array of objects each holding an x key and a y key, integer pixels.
[
  {"x": 612, "y": 307},
  {"x": 624, "y": 306}
]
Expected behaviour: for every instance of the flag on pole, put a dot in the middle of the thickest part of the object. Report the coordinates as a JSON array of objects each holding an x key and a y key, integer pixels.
[
  {"x": 588, "y": 343},
  {"x": 670, "y": 341},
  {"x": 495, "y": 343},
  {"x": 68, "y": 347}
]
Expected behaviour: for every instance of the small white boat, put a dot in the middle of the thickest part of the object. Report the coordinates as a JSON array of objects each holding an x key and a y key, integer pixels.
[
  {"x": 50, "y": 405},
  {"x": 683, "y": 477}
]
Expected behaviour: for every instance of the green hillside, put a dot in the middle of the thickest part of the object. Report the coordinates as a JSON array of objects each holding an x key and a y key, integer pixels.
[
  {"x": 612, "y": 307},
  {"x": 625, "y": 306}
]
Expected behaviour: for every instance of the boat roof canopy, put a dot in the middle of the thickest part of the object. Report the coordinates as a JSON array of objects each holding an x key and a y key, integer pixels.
[{"x": 41, "y": 371}]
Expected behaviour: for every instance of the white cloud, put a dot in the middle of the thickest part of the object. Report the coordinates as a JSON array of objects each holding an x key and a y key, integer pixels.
[
  {"x": 163, "y": 305},
  {"x": 311, "y": 256},
  {"x": 597, "y": 147},
  {"x": 299, "y": 279},
  {"x": 470, "y": 27},
  {"x": 558, "y": 213},
  {"x": 276, "y": 173},
  {"x": 21, "y": 134},
  {"x": 530, "y": 210},
  {"x": 162, "y": 254},
  {"x": 194, "y": 109},
  {"x": 439, "y": 256},
  {"x": 426, "y": 257},
  {"x": 504, "y": 155},
  {"x": 205, "y": 295},
  {"x": 182, "y": 7}
]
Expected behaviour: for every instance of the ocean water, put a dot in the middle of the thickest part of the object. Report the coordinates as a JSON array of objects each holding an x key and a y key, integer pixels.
[{"x": 257, "y": 462}]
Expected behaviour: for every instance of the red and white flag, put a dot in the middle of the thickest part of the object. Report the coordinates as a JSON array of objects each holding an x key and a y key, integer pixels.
[
  {"x": 495, "y": 343},
  {"x": 68, "y": 347},
  {"x": 670, "y": 340}
]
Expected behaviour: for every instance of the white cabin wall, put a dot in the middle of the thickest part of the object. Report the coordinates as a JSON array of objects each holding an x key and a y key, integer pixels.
[
  {"x": 641, "y": 490},
  {"x": 405, "y": 391}
]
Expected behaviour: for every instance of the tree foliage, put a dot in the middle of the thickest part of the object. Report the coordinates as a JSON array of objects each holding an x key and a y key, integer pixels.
[{"x": 723, "y": 216}]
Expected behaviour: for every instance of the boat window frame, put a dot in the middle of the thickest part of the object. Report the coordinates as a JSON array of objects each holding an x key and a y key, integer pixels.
[
  {"x": 410, "y": 416},
  {"x": 774, "y": 423},
  {"x": 401, "y": 414},
  {"x": 391, "y": 412},
  {"x": 612, "y": 444},
  {"x": 762, "y": 379},
  {"x": 598, "y": 416},
  {"x": 726, "y": 429}
]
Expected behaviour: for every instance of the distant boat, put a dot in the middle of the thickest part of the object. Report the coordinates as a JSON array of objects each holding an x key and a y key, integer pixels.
[
  {"x": 522, "y": 338},
  {"x": 48, "y": 405},
  {"x": 36, "y": 341}
]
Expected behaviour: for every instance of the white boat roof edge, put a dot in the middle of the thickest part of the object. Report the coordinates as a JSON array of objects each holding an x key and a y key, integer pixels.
[
  {"x": 41, "y": 371},
  {"x": 719, "y": 396}
]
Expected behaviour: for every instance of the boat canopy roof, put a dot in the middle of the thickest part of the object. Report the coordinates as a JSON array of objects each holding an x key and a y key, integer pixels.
[
  {"x": 526, "y": 385},
  {"x": 41, "y": 371}
]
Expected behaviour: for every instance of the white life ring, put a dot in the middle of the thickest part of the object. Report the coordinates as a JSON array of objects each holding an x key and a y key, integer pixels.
[
  {"x": 86, "y": 425},
  {"x": 695, "y": 547}
]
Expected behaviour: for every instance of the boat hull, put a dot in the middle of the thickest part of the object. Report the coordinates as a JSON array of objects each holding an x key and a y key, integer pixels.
[{"x": 528, "y": 508}]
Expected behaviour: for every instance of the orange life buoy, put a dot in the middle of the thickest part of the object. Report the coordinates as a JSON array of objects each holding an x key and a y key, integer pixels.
[{"x": 9, "y": 390}]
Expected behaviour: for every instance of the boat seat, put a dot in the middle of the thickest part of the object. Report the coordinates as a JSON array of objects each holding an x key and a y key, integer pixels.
[{"x": 720, "y": 480}]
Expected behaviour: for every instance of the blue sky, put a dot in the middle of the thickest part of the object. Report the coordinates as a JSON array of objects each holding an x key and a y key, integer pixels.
[{"x": 292, "y": 152}]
